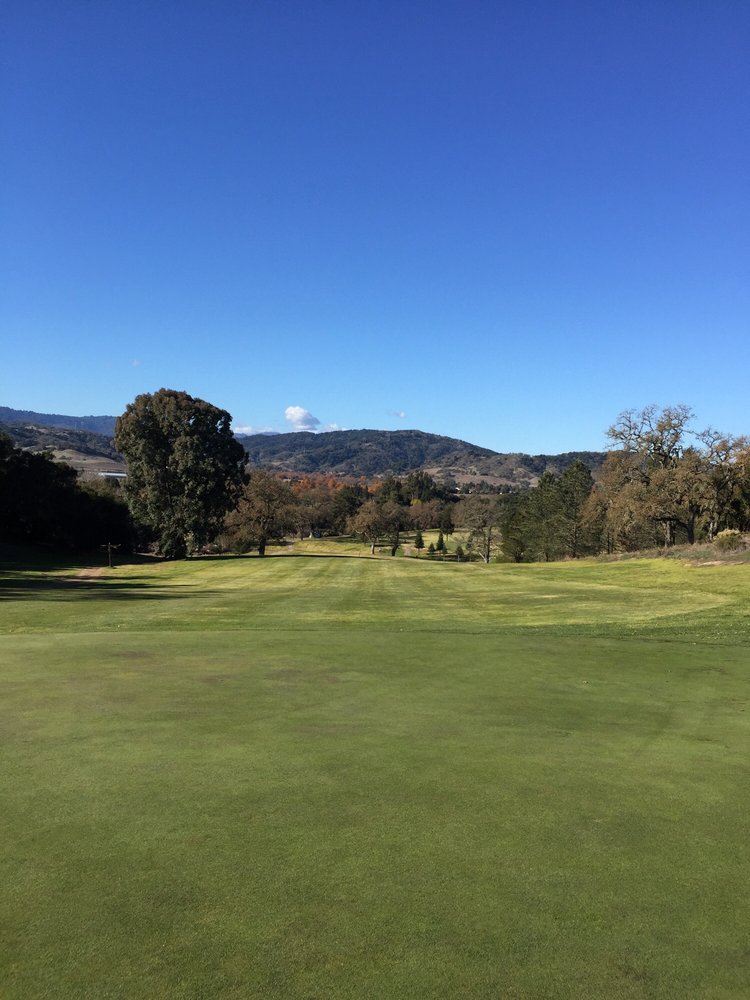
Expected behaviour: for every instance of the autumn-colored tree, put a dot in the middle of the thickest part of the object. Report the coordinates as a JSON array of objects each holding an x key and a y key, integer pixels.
[
  {"x": 728, "y": 462},
  {"x": 668, "y": 476},
  {"x": 376, "y": 521},
  {"x": 266, "y": 512},
  {"x": 369, "y": 523},
  {"x": 315, "y": 506},
  {"x": 425, "y": 514}
]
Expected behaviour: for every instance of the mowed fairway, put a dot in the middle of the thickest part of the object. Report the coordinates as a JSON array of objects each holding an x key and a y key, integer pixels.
[{"x": 318, "y": 777}]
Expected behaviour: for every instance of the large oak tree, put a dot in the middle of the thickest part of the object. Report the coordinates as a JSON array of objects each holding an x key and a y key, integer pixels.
[{"x": 185, "y": 467}]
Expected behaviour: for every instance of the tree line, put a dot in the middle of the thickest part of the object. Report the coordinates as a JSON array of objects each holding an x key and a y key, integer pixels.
[
  {"x": 43, "y": 502},
  {"x": 188, "y": 487},
  {"x": 661, "y": 484}
]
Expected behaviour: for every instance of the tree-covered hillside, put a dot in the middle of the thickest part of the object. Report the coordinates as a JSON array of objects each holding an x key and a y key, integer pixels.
[
  {"x": 360, "y": 453},
  {"x": 376, "y": 453}
]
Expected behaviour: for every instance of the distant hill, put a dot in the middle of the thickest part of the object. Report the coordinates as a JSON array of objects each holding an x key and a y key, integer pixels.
[
  {"x": 88, "y": 452},
  {"x": 86, "y": 444},
  {"x": 375, "y": 453},
  {"x": 39, "y": 438},
  {"x": 100, "y": 425}
]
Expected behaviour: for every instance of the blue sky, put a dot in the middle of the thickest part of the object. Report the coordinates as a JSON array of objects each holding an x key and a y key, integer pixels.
[{"x": 504, "y": 222}]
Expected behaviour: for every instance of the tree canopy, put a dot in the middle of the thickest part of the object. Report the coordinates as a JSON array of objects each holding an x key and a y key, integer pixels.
[
  {"x": 668, "y": 482},
  {"x": 265, "y": 512},
  {"x": 185, "y": 467}
]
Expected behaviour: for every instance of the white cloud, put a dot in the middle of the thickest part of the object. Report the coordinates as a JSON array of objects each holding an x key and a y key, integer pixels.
[
  {"x": 301, "y": 419},
  {"x": 135, "y": 363},
  {"x": 397, "y": 413}
]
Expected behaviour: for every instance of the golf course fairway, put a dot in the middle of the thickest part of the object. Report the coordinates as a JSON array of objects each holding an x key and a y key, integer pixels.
[{"x": 344, "y": 778}]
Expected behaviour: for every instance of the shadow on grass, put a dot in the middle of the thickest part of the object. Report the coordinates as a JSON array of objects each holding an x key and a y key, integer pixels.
[
  {"x": 110, "y": 588},
  {"x": 15, "y": 558}
]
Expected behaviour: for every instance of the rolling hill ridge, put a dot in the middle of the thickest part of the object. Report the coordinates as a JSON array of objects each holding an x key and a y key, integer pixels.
[
  {"x": 358, "y": 453},
  {"x": 99, "y": 425},
  {"x": 377, "y": 453}
]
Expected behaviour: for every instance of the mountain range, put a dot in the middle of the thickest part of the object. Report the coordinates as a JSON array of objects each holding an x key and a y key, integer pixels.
[
  {"x": 86, "y": 443},
  {"x": 100, "y": 425},
  {"x": 376, "y": 453}
]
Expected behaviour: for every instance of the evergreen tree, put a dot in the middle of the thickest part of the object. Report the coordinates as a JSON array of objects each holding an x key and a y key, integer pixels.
[
  {"x": 514, "y": 527},
  {"x": 446, "y": 520},
  {"x": 575, "y": 486},
  {"x": 543, "y": 510}
]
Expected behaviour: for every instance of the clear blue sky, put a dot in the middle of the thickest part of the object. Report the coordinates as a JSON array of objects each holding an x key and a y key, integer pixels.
[{"x": 501, "y": 221}]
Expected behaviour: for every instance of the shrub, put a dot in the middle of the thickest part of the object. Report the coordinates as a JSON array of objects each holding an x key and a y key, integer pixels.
[{"x": 729, "y": 540}]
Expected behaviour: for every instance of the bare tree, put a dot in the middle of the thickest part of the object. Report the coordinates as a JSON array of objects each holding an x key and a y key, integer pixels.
[{"x": 481, "y": 515}]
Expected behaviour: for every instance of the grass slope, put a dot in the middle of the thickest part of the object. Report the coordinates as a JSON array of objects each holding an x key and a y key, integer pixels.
[{"x": 360, "y": 778}]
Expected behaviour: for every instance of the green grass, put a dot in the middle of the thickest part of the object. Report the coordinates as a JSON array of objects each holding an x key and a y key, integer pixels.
[{"x": 320, "y": 777}]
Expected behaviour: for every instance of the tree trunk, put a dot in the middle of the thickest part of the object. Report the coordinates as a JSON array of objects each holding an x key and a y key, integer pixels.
[{"x": 690, "y": 528}]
